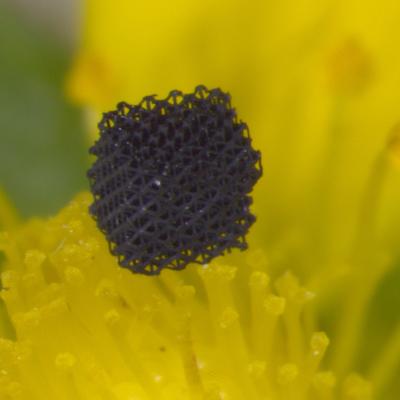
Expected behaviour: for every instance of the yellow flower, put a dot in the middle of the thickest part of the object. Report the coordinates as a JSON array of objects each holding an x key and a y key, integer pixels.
[
  {"x": 85, "y": 328},
  {"x": 317, "y": 83}
]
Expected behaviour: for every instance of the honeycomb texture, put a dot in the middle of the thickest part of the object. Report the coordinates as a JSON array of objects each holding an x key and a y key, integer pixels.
[{"x": 171, "y": 180}]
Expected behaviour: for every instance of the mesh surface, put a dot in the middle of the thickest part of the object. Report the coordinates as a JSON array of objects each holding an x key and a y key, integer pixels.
[{"x": 171, "y": 180}]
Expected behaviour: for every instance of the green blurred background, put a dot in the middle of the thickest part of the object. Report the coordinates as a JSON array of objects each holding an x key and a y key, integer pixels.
[{"x": 42, "y": 146}]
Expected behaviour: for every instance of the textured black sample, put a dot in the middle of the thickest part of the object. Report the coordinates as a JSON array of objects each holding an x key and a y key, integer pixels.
[{"x": 172, "y": 179}]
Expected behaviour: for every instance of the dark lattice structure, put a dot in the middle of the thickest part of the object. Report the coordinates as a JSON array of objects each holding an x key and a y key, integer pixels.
[{"x": 172, "y": 179}]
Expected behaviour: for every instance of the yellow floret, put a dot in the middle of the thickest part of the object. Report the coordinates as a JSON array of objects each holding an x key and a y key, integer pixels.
[{"x": 87, "y": 329}]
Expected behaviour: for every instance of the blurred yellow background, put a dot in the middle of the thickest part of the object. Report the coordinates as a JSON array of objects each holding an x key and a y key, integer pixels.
[{"x": 315, "y": 80}]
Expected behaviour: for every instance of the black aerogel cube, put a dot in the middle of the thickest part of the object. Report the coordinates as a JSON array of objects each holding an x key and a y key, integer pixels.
[{"x": 172, "y": 179}]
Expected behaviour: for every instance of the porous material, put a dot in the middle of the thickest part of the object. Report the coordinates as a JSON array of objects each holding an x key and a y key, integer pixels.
[{"x": 172, "y": 179}]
